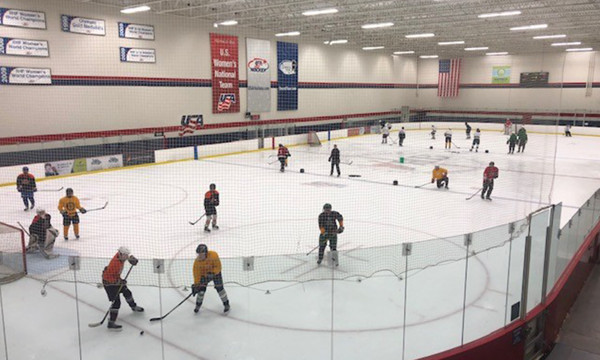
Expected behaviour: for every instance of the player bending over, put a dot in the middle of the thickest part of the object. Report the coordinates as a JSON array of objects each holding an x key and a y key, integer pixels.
[
  {"x": 489, "y": 174},
  {"x": 329, "y": 231},
  {"x": 207, "y": 268},
  {"x": 282, "y": 154},
  {"x": 26, "y": 186},
  {"x": 476, "y": 140},
  {"x": 42, "y": 235},
  {"x": 440, "y": 177},
  {"x": 68, "y": 207},
  {"x": 211, "y": 201}
]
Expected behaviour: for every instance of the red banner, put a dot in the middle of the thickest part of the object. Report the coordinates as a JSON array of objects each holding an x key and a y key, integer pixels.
[{"x": 225, "y": 77}]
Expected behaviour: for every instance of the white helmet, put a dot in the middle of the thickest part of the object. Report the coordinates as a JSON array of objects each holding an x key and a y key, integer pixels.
[
  {"x": 40, "y": 211},
  {"x": 124, "y": 251}
]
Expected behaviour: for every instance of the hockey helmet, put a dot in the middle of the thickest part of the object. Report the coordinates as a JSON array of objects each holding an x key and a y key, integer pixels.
[
  {"x": 212, "y": 186},
  {"x": 40, "y": 211},
  {"x": 491, "y": 163},
  {"x": 124, "y": 251},
  {"x": 327, "y": 206},
  {"x": 25, "y": 168},
  {"x": 202, "y": 248},
  {"x": 69, "y": 191}
]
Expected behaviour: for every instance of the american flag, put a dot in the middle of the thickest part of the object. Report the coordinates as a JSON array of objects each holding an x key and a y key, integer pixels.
[
  {"x": 449, "y": 77},
  {"x": 190, "y": 123},
  {"x": 225, "y": 101}
]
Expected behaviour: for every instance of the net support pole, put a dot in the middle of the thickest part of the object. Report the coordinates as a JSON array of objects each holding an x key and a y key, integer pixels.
[{"x": 195, "y": 152}]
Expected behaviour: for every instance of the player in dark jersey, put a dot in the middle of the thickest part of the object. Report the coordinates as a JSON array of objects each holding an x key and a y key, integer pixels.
[
  {"x": 489, "y": 174},
  {"x": 26, "y": 186},
  {"x": 334, "y": 159},
  {"x": 211, "y": 201},
  {"x": 282, "y": 154},
  {"x": 329, "y": 231}
]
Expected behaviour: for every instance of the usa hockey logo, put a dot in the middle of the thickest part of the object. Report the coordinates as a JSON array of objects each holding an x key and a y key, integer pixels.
[
  {"x": 225, "y": 101},
  {"x": 259, "y": 65}
]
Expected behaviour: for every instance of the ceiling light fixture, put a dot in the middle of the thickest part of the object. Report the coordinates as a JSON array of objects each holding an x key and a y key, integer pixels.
[
  {"x": 403, "y": 52},
  {"x": 373, "y": 47},
  {"x": 428, "y": 56},
  {"x": 497, "y": 53},
  {"x": 376, "y": 26},
  {"x": 227, "y": 23},
  {"x": 135, "y": 9},
  {"x": 504, "y": 13},
  {"x": 451, "y": 42},
  {"x": 477, "y": 48},
  {"x": 333, "y": 42},
  {"x": 550, "y": 37},
  {"x": 529, "y": 27},
  {"x": 580, "y": 49},
  {"x": 320, "y": 12},
  {"x": 291, "y": 33},
  {"x": 567, "y": 43},
  {"x": 414, "y": 36}
]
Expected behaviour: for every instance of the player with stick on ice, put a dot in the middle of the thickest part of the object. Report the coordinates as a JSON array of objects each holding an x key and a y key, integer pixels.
[
  {"x": 26, "y": 186},
  {"x": 211, "y": 201},
  {"x": 282, "y": 154},
  {"x": 476, "y": 140},
  {"x": 329, "y": 231},
  {"x": 207, "y": 268},
  {"x": 489, "y": 174},
  {"x": 440, "y": 176},
  {"x": 68, "y": 207},
  {"x": 42, "y": 235}
]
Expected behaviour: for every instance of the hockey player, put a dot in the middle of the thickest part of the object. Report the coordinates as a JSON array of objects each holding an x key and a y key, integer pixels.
[
  {"x": 522, "y": 137},
  {"x": 448, "y": 139},
  {"x": 440, "y": 177},
  {"x": 512, "y": 141},
  {"x": 476, "y": 140},
  {"x": 282, "y": 154},
  {"x": 489, "y": 174},
  {"x": 68, "y": 207},
  {"x": 433, "y": 131},
  {"x": 115, "y": 286},
  {"x": 334, "y": 159},
  {"x": 42, "y": 235},
  {"x": 207, "y": 268},
  {"x": 329, "y": 231},
  {"x": 26, "y": 186},
  {"x": 468, "y": 130},
  {"x": 401, "y": 136},
  {"x": 385, "y": 132},
  {"x": 568, "y": 130},
  {"x": 211, "y": 201}
]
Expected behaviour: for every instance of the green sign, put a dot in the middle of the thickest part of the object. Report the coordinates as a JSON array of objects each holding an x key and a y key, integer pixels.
[
  {"x": 79, "y": 165},
  {"x": 500, "y": 74}
]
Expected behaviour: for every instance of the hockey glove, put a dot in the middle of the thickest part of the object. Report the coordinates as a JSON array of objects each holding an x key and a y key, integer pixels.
[
  {"x": 432, "y": 181},
  {"x": 82, "y": 210},
  {"x": 122, "y": 282},
  {"x": 340, "y": 230},
  {"x": 195, "y": 289},
  {"x": 133, "y": 260},
  {"x": 34, "y": 189}
]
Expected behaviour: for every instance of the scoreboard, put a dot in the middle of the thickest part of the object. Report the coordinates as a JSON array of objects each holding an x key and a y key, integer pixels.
[{"x": 532, "y": 79}]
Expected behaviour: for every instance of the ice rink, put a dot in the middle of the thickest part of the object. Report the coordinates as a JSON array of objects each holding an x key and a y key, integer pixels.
[{"x": 273, "y": 216}]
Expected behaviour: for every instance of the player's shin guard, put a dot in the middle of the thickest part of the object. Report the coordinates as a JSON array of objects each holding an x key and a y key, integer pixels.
[
  {"x": 66, "y": 231},
  {"x": 199, "y": 300},
  {"x": 76, "y": 229},
  {"x": 223, "y": 295}
]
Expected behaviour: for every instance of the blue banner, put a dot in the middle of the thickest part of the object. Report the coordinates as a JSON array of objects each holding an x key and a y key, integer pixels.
[{"x": 287, "y": 76}]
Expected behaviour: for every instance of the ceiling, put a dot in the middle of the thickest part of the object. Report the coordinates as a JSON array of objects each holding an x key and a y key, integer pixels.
[{"x": 449, "y": 20}]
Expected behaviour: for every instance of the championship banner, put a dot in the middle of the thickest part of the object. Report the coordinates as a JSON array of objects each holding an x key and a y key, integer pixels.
[
  {"x": 137, "y": 55},
  {"x": 24, "y": 76},
  {"x": 259, "y": 75},
  {"x": 287, "y": 76},
  {"x": 79, "y": 25},
  {"x": 23, "y": 47},
  {"x": 136, "y": 31},
  {"x": 22, "y": 18},
  {"x": 225, "y": 77},
  {"x": 500, "y": 74}
]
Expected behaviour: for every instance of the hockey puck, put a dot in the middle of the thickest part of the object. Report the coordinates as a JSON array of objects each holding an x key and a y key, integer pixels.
[
  {"x": 487, "y": 151},
  {"x": 142, "y": 332},
  {"x": 43, "y": 292},
  {"x": 431, "y": 148},
  {"x": 395, "y": 182},
  {"x": 302, "y": 171}
]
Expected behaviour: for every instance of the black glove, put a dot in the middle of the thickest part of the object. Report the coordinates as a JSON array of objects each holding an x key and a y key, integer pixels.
[
  {"x": 122, "y": 282},
  {"x": 64, "y": 213},
  {"x": 82, "y": 210},
  {"x": 133, "y": 260},
  {"x": 340, "y": 230},
  {"x": 34, "y": 189},
  {"x": 432, "y": 181},
  {"x": 195, "y": 289}
]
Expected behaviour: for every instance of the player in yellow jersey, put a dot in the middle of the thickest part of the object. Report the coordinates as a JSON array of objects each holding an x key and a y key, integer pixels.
[
  {"x": 68, "y": 207},
  {"x": 207, "y": 268},
  {"x": 440, "y": 177}
]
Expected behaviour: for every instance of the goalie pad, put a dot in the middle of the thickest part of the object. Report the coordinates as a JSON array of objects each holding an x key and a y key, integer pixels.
[
  {"x": 51, "y": 235},
  {"x": 33, "y": 243}
]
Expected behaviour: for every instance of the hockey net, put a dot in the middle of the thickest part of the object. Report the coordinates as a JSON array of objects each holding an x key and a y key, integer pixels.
[
  {"x": 13, "y": 263},
  {"x": 313, "y": 139}
]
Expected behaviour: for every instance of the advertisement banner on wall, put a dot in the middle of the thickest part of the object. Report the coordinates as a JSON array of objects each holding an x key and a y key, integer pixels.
[
  {"x": 137, "y": 55},
  {"x": 225, "y": 77},
  {"x": 104, "y": 162},
  {"x": 64, "y": 167},
  {"x": 136, "y": 31},
  {"x": 22, "y": 18},
  {"x": 287, "y": 76},
  {"x": 500, "y": 74},
  {"x": 23, "y": 47},
  {"x": 24, "y": 76},
  {"x": 79, "y": 25},
  {"x": 259, "y": 75}
]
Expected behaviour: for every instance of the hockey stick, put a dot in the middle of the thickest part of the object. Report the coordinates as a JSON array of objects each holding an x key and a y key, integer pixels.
[
  {"x": 195, "y": 222},
  {"x": 26, "y": 232},
  {"x": 173, "y": 309},
  {"x": 59, "y": 189},
  {"x": 420, "y": 186},
  {"x": 347, "y": 162},
  {"x": 112, "y": 302},
  {"x": 273, "y": 162},
  {"x": 100, "y": 208},
  {"x": 472, "y": 196},
  {"x": 315, "y": 248},
  {"x": 456, "y": 146}
]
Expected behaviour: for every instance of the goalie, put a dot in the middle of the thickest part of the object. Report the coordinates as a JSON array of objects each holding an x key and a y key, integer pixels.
[
  {"x": 329, "y": 231},
  {"x": 42, "y": 235}
]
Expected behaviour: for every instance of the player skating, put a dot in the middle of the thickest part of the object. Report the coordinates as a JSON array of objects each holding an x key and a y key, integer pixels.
[
  {"x": 42, "y": 235},
  {"x": 211, "y": 201},
  {"x": 328, "y": 225},
  {"x": 282, "y": 154},
  {"x": 334, "y": 159},
  {"x": 26, "y": 186},
  {"x": 401, "y": 136},
  {"x": 115, "y": 286},
  {"x": 522, "y": 138},
  {"x": 207, "y": 268},
  {"x": 489, "y": 174},
  {"x": 476, "y": 140},
  {"x": 68, "y": 207},
  {"x": 440, "y": 177},
  {"x": 385, "y": 132},
  {"x": 512, "y": 141},
  {"x": 433, "y": 131},
  {"x": 468, "y": 130},
  {"x": 448, "y": 139},
  {"x": 568, "y": 130}
]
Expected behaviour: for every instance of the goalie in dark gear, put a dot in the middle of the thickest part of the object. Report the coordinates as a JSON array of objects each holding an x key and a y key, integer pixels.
[
  {"x": 42, "y": 235},
  {"x": 328, "y": 225}
]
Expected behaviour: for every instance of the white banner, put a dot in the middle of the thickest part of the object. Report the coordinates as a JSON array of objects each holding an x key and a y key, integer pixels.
[
  {"x": 81, "y": 25},
  {"x": 104, "y": 162},
  {"x": 137, "y": 55},
  {"x": 136, "y": 31},
  {"x": 23, "y": 47},
  {"x": 258, "y": 75},
  {"x": 27, "y": 76},
  {"x": 22, "y": 18},
  {"x": 58, "y": 168}
]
